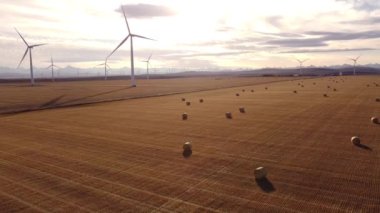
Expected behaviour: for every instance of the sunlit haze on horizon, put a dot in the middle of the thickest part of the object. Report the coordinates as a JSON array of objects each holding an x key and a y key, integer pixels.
[{"x": 192, "y": 34}]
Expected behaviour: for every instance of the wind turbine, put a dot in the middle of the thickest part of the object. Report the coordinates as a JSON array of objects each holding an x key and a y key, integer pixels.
[
  {"x": 130, "y": 35},
  {"x": 147, "y": 67},
  {"x": 301, "y": 63},
  {"x": 52, "y": 68},
  {"x": 355, "y": 60},
  {"x": 105, "y": 68},
  {"x": 28, "y": 49}
]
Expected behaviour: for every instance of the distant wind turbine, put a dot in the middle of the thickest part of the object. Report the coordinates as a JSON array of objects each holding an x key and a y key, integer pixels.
[
  {"x": 52, "y": 68},
  {"x": 147, "y": 67},
  {"x": 105, "y": 68},
  {"x": 301, "y": 64},
  {"x": 355, "y": 60},
  {"x": 130, "y": 35},
  {"x": 28, "y": 49}
]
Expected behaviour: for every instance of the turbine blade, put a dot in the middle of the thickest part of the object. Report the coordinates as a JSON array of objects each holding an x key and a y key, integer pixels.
[
  {"x": 139, "y": 36},
  {"x": 36, "y": 45},
  {"x": 150, "y": 57},
  {"x": 23, "y": 57},
  {"x": 357, "y": 58},
  {"x": 121, "y": 43},
  {"x": 100, "y": 64},
  {"x": 22, "y": 37},
  {"x": 126, "y": 21},
  {"x": 49, "y": 66},
  {"x": 108, "y": 67}
]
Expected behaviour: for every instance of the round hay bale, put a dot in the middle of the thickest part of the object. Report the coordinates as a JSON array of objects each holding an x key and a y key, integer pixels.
[
  {"x": 355, "y": 140},
  {"x": 188, "y": 103},
  {"x": 201, "y": 100},
  {"x": 266, "y": 88},
  {"x": 295, "y": 91},
  {"x": 335, "y": 90},
  {"x": 260, "y": 173},
  {"x": 375, "y": 120},
  {"x": 313, "y": 83},
  {"x": 229, "y": 115},
  {"x": 184, "y": 116},
  {"x": 367, "y": 85},
  {"x": 325, "y": 95},
  {"x": 237, "y": 94},
  {"x": 302, "y": 85},
  {"x": 243, "y": 90},
  {"x": 187, "y": 146},
  {"x": 183, "y": 99},
  {"x": 328, "y": 87},
  {"x": 242, "y": 109},
  {"x": 252, "y": 90},
  {"x": 377, "y": 99}
]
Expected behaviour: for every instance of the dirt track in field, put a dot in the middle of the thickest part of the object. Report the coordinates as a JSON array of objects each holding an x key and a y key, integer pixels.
[{"x": 127, "y": 155}]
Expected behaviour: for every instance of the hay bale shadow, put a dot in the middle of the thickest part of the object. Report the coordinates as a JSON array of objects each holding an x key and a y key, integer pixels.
[
  {"x": 187, "y": 153},
  {"x": 265, "y": 185},
  {"x": 363, "y": 146}
]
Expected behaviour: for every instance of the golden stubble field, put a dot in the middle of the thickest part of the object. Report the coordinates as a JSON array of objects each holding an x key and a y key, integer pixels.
[
  {"x": 127, "y": 155},
  {"x": 16, "y": 97}
]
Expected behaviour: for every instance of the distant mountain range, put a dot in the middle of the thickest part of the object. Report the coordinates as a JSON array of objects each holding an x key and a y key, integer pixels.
[{"x": 73, "y": 72}]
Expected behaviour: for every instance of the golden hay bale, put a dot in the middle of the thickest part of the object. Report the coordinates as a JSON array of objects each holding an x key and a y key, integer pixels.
[
  {"x": 335, "y": 90},
  {"x": 260, "y": 173},
  {"x": 201, "y": 100},
  {"x": 295, "y": 91},
  {"x": 183, "y": 99},
  {"x": 377, "y": 99},
  {"x": 184, "y": 116},
  {"x": 242, "y": 109},
  {"x": 325, "y": 95},
  {"x": 187, "y": 146},
  {"x": 328, "y": 87},
  {"x": 243, "y": 90},
  {"x": 266, "y": 88},
  {"x": 237, "y": 94},
  {"x": 375, "y": 120},
  {"x": 355, "y": 140},
  {"x": 302, "y": 85},
  {"x": 188, "y": 103},
  {"x": 252, "y": 90},
  {"x": 229, "y": 115}
]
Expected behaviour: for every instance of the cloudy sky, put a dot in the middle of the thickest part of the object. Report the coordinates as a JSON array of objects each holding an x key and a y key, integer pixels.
[{"x": 192, "y": 33}]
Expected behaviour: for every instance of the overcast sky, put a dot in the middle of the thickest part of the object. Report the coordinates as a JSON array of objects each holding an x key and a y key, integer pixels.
[{"x": 192, "y": 33}]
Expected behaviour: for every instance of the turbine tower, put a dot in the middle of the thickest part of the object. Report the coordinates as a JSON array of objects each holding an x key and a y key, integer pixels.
[
  {"x": 301, "y": 64},
  {"x": 130, "y": 35},
  {"x": 52, "y": 68},
  {"x": 28, "y": 49},
  {"x": 355, "y": 60},
  {"x": 147, "y": 67},
  {"x": 105, "y": 68}
]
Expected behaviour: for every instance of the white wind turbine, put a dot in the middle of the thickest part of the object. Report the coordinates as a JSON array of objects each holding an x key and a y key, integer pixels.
[
  {"x": 52, "y": 65},
  {"x": 105, "y": 68},
  {"x": 355, "y": 60},
  {"x": 28, "y": 49},
  {"x": 130, "y": 35},
  {"x": 301, "y": 64},
  {"x": 147, "y": 67}
]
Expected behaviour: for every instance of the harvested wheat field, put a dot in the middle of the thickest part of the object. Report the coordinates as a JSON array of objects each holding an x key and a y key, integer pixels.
[
  {"x": 16, "y": 97},
  {"x": 128, "y": 155}
]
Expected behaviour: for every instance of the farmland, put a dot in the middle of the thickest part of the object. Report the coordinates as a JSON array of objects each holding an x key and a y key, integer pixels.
[{"x": 127, "y": 155}]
